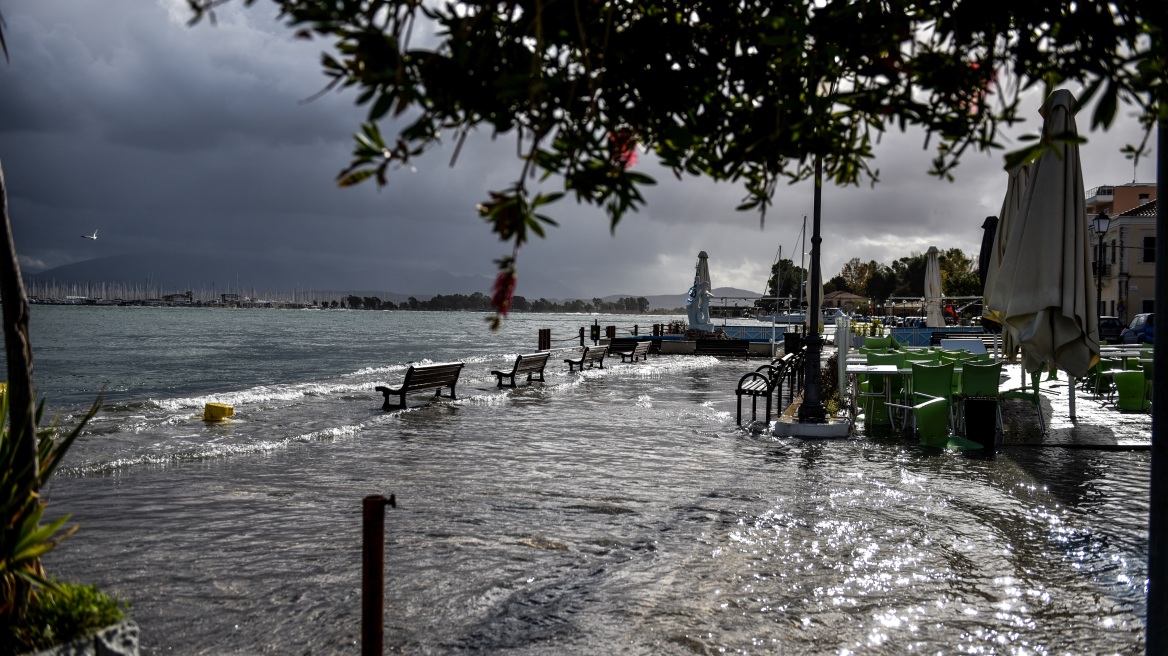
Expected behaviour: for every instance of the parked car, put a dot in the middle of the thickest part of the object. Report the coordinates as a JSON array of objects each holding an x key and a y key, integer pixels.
[
  {"x": 1109, "y": 330},
  {"x": 1134, "y": 333}
]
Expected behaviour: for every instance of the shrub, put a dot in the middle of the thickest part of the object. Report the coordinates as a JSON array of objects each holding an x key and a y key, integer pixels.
[
  {"x": 23, "y": 540},
  {"x": 829, "y": 385},
  {"x": 61, "y": 613}
]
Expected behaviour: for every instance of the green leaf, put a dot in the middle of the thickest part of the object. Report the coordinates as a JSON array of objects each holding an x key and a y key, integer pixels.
[
  {"x": 639, "y": 178},
  {"x": 379, "y": 109},
  {"x": 1107, "y": 107},
  {"x": 355, "y": 178},
  {"x": 33, "y": 542}
]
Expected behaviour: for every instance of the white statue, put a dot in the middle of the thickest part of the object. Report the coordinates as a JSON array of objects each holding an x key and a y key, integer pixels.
[{"x": 698, "y": 303}]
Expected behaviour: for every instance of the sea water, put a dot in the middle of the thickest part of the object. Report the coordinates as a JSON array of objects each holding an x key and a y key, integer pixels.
[{"x": 618, "y": 510}]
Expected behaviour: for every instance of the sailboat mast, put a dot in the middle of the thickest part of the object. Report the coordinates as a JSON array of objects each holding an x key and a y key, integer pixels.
[{"x": 802, "y": 254}]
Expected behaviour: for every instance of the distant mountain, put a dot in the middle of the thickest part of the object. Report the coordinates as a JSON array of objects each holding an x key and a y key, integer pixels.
[
  {"x": 176, "y": 272},
  {"x": 671, "y": 301}
]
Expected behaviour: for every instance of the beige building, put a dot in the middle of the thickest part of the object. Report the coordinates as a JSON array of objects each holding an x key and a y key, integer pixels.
[{"x": 1124, "y": 257}]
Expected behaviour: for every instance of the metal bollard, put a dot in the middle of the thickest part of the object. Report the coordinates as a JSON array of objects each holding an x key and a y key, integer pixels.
[{"x": 373, "y": 573}]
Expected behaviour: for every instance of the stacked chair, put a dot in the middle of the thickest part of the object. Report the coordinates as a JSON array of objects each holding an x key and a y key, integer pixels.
[
  {"x": 873, "y": 393},
  {"x": 1028, "y": 393},
  {"x": 981, "y": 381}
]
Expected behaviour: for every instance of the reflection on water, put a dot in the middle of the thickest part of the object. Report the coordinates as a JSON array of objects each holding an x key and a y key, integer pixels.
[
  {"x": 619, "y": 510},
  {"x": 616, "y": 514}
]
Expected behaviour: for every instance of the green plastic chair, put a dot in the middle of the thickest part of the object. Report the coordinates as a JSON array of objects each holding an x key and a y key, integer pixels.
[
  {"x": 931, "y": 421},
  {"x": 930, "y": 382},
  {"x": 1101, "y": 383},
  {"x": 878, "y": 342},
  {"x": 1149, "y": 376},
  {"x": 873, "y": 392},
  {"x": 925, "y": 357},
  {"x": 981, "y": 380},
  {"x": 1030, "y": 394},
  {"x": 1129, "y": 389}
]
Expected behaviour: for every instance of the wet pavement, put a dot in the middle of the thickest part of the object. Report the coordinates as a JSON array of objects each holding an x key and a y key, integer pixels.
[{"x": 1097, "y": 423}]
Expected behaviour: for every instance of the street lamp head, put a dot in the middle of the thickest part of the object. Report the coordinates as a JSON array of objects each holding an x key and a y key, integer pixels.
[{"x": 1100, "y": 223}]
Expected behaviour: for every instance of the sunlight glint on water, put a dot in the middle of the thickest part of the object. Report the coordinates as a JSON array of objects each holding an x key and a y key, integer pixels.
[{"x": 618, "y": 510}]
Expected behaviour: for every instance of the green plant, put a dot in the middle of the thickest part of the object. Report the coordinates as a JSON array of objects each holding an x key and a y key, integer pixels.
[
  {"x": 829, "y": 385},
  {"x": 23, "y": 540},
  {"x": 61, "y": 614}
]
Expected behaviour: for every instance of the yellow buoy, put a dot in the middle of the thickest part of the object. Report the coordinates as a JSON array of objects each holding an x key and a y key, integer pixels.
[{"x": 217, "y": 411}]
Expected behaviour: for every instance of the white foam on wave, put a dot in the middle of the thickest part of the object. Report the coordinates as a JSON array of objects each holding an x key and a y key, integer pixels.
[
  {"x": 213, "y": 451},
  {"x": 262, "y": 394},
  {"x": 369, "y": 371}
]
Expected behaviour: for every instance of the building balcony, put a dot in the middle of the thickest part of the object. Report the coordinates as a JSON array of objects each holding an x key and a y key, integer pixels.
[
  {"x": 1105, "y": 194},
  {"x": 1095, "y": 270}
]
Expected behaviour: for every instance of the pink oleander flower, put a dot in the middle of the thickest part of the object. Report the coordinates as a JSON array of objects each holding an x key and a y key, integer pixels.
[
  {"x": 623, "y": 146},
  {"x": 503, "y": 290}
]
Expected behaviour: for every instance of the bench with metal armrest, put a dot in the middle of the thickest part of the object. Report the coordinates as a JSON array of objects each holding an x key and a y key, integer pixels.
[
  {"x": 525, "y": 363},
  {"x": 592, "y": 356},
  {"x": 423, "y": 377}
]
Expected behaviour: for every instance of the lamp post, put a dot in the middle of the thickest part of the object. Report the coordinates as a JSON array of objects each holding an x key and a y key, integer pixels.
[{"x": 1099, "y": 224}]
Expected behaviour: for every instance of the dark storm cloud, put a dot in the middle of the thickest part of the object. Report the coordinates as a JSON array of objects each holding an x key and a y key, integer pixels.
[{"x": 173, "y": 139}]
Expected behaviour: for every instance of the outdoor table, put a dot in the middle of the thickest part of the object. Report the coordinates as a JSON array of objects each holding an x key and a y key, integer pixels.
[
  {"x": 1122, "y": 355},
  {"x": 853, "y": 370},
  {"x": 887, "y": 371}
]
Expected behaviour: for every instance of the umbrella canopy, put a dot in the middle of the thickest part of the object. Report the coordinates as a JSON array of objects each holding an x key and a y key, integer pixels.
[
  {"x": 1016, "y": 184},
  {"x": 989, "y": 232},
  {"x": 988, "y": 236},
  {"x": 1043, "y": 290},
  {"x": 933, "y": 317}
]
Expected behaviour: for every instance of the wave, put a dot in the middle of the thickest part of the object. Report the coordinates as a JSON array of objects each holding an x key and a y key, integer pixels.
[{"x": 211, "y": 451}]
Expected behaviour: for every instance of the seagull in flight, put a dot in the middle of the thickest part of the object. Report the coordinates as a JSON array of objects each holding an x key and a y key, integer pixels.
[{"x": 93, "y": 236}]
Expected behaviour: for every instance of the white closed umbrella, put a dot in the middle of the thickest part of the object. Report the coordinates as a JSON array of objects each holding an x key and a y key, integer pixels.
[
  {"x": 933, "y": 316},
  {"x": 1043, "y": 288},
  {"x": 994, "y": 306}
]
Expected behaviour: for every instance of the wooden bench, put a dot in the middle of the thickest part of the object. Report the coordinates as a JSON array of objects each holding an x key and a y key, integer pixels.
[
  {"x": 526, "y": 363},
  {"x": 592, "y": 355},
  {"x": 423, "y": 377},
  {"x": 754, "y": 385},
  {"x": 724, "y": 347},
  {"x": 766, "y": 380},
  {"x": 630, "y": 352}
]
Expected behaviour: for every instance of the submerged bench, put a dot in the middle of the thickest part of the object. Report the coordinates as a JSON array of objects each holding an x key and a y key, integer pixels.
[
  {"x": 423, "y": 377},
  {"x": 592, "y": 355},
  {"x": 632, "y": 350},
  {"x": 766, "y": 381},
  {"x": 526, "y": 363}
]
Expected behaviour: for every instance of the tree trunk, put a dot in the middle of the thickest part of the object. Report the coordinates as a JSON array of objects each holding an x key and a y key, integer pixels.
[{"x": 17, "y": 346}]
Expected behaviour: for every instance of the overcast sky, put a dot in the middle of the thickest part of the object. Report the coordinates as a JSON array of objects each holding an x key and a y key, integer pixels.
[{"x": 114, "y": 115}]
